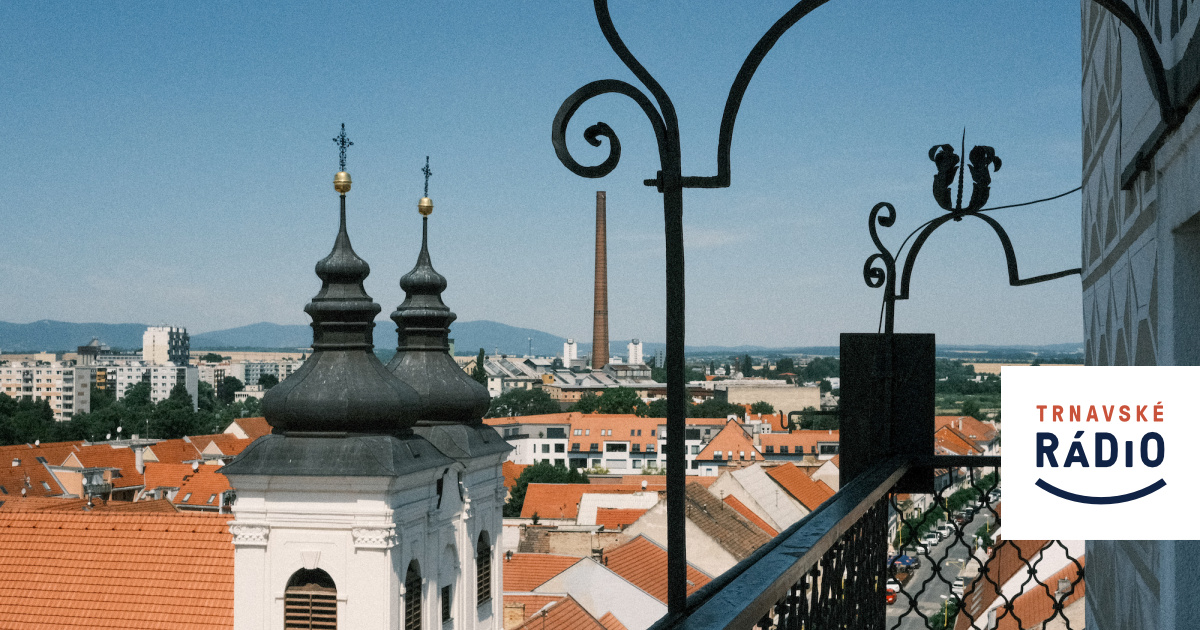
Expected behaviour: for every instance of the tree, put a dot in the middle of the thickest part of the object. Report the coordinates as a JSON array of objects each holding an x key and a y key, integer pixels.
[
  {"x": 713, "y": 408},
  {"x": 970, "y": 407},
  {"x": 785, "y": 365},
  {"x": 267, "y": 381},
  {"x": 621, "y": 400},
  {"x": 522, "y": 402},
  {"x": 138, "y": 396},
  {"x": 206, "y": 397},
  {"x": 101, "y": 398},
  {"x": 589, "y": 402},
  {"x": 477, "y": 372},
  {"x": 747, "y": 366},
  {"x": 213, "y": 357},
  {"x": 538, "y": 473},
  {"x": 229, "y": 386},
  {"x": 762, "y": 407},
  {"x": 825, "y": 386}
]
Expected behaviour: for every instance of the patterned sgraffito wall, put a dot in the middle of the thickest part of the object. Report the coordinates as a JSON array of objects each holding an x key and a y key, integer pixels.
[{"x": 1121, "y": 264}]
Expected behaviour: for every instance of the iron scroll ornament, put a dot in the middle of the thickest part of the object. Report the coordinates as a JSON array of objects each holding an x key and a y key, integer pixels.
[
  {"x": 669, "y": 181},
  {"x": 884, "y": 214}
]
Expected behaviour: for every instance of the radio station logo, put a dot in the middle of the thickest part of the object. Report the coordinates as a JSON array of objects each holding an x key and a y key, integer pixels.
[{"x": 1096, "y": 452}]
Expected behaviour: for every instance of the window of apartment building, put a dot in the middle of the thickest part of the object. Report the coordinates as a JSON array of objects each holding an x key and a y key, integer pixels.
[
  {"x": 650, "y": 448},
  {"x": 578, "y": 432},
  {"x": 556, "y": 433},
  {"x": 783, "y": 449},
  {"x": 545, "y": 448},
  {"x": 829, "y": 449},
  {"x": 574, "y": 446},
  {"x": 595, "y": 464},
  {"x": 637, "y": 448},
  {"x": 560, "y": 448},
  {"x": 616, "y": 464},
  {"x": 615, "y": 447},
  {"x": 652, "y": 431},
  {"x": 696, "y": 449},
  {"x": 741, "y": 455},
  {"x": 637, "y": 463},
  {"x": 717, "y": 455},
  {"x": 594, "y": 447},
  {"x": 770, "y": 449},
  {"x": 587, "y": 431}
]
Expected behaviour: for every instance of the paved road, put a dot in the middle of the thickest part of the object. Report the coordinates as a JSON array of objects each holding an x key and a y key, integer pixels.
[{"x": 927, "y": 589}]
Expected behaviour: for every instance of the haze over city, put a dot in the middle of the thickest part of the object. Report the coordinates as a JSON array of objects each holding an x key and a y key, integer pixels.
[{"x": 172, "y": 164}]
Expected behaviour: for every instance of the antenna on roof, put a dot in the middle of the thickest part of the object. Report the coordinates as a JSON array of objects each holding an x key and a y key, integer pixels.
[
  {"x": 195, "y": 466},
  {"x": 37, "y": 442}
]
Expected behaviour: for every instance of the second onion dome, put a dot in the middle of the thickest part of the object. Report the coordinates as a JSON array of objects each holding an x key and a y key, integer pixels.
[{"x": 448, "y": 395}]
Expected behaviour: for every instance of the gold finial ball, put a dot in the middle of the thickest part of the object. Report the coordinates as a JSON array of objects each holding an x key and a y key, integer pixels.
[
  {"x": 341, "y": 182},
  {"x": 425, "y": 206}
]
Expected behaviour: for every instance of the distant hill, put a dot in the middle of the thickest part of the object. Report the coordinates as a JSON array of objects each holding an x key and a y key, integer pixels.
[
  {"x": 260, "y": 335},
  {"x": 48, "y": 335}
]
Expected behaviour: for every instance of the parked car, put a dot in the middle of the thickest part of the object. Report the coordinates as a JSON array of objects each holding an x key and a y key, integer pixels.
[
  {"x": 903, "y": 562},
  {"x": 893, "y": 586},
  {"x": 890, "y": 597},
  {"x": 945, "y": 530},
  {"x": 958, "y": 587},
  {"x": 930, "y": 539}
]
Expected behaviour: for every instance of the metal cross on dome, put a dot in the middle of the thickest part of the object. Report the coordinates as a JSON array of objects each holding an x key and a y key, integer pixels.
[
  {"x": 342, "y": 141},
  {"x": 427, "y": 174}
]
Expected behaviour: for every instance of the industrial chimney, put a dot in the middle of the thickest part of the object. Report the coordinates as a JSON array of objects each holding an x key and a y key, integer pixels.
[{"x": 600, "y": 316}]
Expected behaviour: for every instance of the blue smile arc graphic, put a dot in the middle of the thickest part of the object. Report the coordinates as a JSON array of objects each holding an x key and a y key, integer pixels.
[{"x": 1083, "y": 498}]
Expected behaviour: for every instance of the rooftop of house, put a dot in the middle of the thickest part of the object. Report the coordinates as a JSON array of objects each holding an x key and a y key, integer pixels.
[
  {"x": 564, "y": 613},
  {"x": 749, "y": 515},
  {"x": 805, "y": 439},
  {"x": 561, "y": 500},
  {"x": 511, "y": 471},
  {"x": 108, "y": 456},
  {"x": 803, "y": 488},
  {"x": 252, "y": 428},
  {"x": 610, "y": 622},
  {"x": 172, "y": 452},
  {"x": 643, "y": 563},
  {"x": 524, "y": 572},
  {"x": 974, "y": 429},
  {"x": 735, "y": 533},
  {"x": 116, "y": 570},
  {"x": 1004, "y": 561},
  {"x": 1035, "y": 606},
  {"x": 732, "y": 442},
  {"x": 656, "y": 483},
  {"x": 616, "y": 519},
  {"x": 950, "y": 441},
  {"x": 60, "y": 504}
]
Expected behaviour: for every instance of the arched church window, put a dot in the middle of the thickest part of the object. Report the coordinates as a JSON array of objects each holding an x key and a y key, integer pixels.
[
  {"x": 310, "y": 601},
  {"x": 483, "y": 569},
  {"x": 412, "y": 597}
]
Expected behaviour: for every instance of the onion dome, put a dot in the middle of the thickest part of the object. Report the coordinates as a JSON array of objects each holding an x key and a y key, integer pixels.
[
  {"x": 343, "y": 388},
  {"x": 448, "y": 394}
]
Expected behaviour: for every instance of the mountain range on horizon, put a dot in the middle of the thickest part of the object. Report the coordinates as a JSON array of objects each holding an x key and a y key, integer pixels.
[{"x": 494, "y": 337}]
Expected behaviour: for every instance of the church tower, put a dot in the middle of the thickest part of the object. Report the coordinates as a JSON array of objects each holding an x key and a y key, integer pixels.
[{"x": 347, "y": 517}]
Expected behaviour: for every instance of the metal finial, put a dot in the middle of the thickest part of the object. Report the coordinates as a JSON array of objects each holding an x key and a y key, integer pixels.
[
  {"x": 961, "y": 169},
  {"x": 342, "y": 141},
  {"x": 427, "y": 174}
]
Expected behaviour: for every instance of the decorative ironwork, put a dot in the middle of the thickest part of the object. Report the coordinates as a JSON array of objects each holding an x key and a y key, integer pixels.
[
  {"x": 343, "y": 141},
  {"x": 669, "y": 181},
  {"x": 427, "y": 173},
  {"x": 949, "y": 166}
]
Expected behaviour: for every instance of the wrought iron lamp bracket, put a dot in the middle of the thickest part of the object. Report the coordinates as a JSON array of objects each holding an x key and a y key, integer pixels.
[{"x": 879, "y": 270}]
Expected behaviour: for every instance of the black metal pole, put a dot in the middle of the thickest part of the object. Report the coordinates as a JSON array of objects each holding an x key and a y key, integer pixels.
[{"x": 677, "y": 401}]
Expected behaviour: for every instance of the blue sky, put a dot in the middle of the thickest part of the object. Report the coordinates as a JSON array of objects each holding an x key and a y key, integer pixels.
[{"x": 172, "y": 163}]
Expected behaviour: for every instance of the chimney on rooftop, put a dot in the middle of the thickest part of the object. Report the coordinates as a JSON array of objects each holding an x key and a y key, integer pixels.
[
  {"x": 600, "y": 314},
  {"x": 139, "y": 460}
]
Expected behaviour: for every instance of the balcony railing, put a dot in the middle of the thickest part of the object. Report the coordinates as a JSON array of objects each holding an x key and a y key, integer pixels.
[{"x": 831, "y": 569}]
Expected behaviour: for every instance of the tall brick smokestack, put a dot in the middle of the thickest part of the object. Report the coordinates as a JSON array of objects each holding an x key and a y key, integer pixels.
[{"x": 600, "y": 316}]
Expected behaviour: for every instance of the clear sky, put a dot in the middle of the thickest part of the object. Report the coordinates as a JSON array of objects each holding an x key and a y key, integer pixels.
[{"x": 172, "y": 163}]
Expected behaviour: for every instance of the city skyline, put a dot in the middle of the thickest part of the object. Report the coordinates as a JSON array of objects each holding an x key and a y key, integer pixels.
[{"x": 173, "y": 164}]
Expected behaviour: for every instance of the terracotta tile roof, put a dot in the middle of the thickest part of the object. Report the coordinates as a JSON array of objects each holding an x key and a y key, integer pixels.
[
  {"x": 948, "y": 440},
  {"x": 616, "y": 519},
  {"x": 732, "y": 441},
  {"x": 644, "y": 564},
  {"x": 1035, "y": 606},
  {"x": 203, "y": 489},
  {"x": 31, "y": 472},
  {"x": 201, "y": 442},
  {"x": 1003, "y": 562},
  {"x": 805, "y": 439},
  {"x": 774, "y": 420},
  {"x": 808, "y": 492},
  {"x": 166, "y": 475},
  {"x": 561, "y": 500},
  {"x": 610, "y": 622},
  {"x": 736, "y": 534},
  {"x": 564, "y": 614},
  {"x": 107, "y": 456},
  {"x": 547, "y": 418},
  {"x": 511, "y": 471},
  {"x": 980, "y": 432},
  {"x": 53, "y": 504},
  {"x": 530, "y": 603},
  {"x": 172, "y": 452},
  {"x": 235, "y": 446},
  {"x": 115, "y": 570},
  {"x": 749, "y": 514},
  {"x": 524, "y": 572},
  {"x": 254, "y": 428}
]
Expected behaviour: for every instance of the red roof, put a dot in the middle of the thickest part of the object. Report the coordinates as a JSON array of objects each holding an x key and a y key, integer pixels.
[
  {"x": 733, "y": 443},
  {"x": 610, "y": 622},
  {"x": 561, "y": 500},
  {"x": 530, "y": 603},
  {"x": 511, "y": 471},
  {"x": 948, "y": 440},
  {"x": 805, "y": 439},
  {"x": 644, "y": 564},
  {"x": 615, "y": 519},
  {"x": 974, "y": 429},
  {"x": 107, "y": 456},
  {"x": 203, "y": 488},
  {"x": 1036, "y": 606},
  {"x": 808, "y": 492},
  {"x": 749, "y": 514},
  {"x": 564, "y": 614},
  {"x": 172, "y": 452},
  {"x": 524, "y": 572},
  {"x": 58, "y": 504},
  {"x": 254, "y": 428},
  {"x": 115, "y": 570}
]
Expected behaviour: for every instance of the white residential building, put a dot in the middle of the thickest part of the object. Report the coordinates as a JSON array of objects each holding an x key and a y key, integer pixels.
[
  {"x": 66, "y": 387},
  {"x": 635, "y": 351},
  {"x": 163, "y": 344}
]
